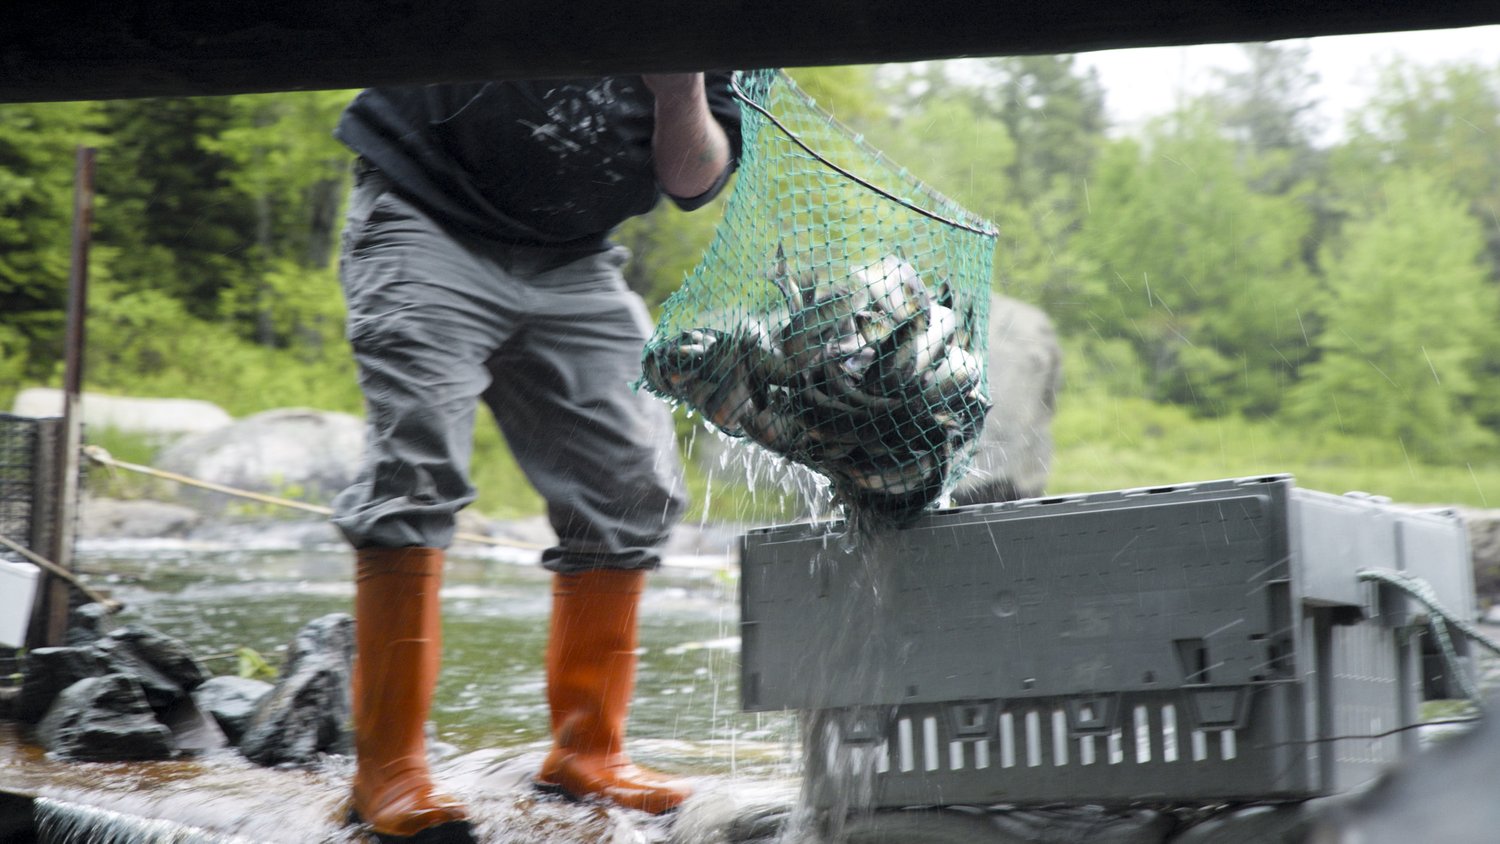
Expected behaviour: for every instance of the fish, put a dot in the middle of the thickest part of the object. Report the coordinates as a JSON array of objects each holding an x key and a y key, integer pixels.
[
  {"x": 899, "y": 479},
  {"x": 954, "y": 375},
  {"x": 868, "y": 377},
  {"x": 894, "y": 288}
]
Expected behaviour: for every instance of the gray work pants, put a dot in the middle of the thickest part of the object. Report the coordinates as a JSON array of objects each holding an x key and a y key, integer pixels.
[{"x": 440, "y": 321}]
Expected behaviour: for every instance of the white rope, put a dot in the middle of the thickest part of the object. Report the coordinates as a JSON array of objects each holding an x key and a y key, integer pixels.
[{"x": 104, "y": 458}]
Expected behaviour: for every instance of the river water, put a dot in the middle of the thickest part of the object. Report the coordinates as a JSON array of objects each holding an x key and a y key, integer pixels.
[
  {"x": 491, "y": 693},
  {"x": 490, "y": 712}
]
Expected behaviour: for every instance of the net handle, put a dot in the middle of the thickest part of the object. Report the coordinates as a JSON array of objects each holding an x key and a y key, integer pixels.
[{"x": 739, "y": 93}]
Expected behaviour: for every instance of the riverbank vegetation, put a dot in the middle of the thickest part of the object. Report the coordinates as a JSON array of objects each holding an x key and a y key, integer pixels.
[{"x": 1238, "y": 290}]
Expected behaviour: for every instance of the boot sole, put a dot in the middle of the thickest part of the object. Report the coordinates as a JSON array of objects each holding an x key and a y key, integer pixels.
[{"x": 452, "y": 832}]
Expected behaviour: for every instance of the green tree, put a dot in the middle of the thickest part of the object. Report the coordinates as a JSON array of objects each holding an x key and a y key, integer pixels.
[
  {"x": 1407, "y": 308},
  {"x": 284, "y": 159},
  {"x": 37, "y": 144},
  {"x": 1269, "y": 109},
  {"x": 1200, "y": 273},
  {"x": 1443, "y": 120},
  {"x": 167, "y": 209}
]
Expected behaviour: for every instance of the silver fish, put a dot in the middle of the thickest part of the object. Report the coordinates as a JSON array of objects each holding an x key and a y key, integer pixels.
[{"x": 894, "y": 288}]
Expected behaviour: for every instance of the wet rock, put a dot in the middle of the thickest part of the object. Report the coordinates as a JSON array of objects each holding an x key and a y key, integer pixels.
[
  {"x": 307, "y": 713},
  {"x": 119, "y": 654},
  {"x": 1281, "y": 824},
  {"x": 193, "y": 730},
  {"x": 1074, "y": 824},
  {"x": 307, "y": 453},
  {"x": 47, "y": 672},
  {"x": 104, "y": 719},
  {"x": 231, "y": 701},
  {"x": 1014, "y": 456},
  {"x": 86, "y": 624},
  {"x": 170, "y": 656},
  {"x": 162, "y": 666},
  {"x": 927, "y": 826}
]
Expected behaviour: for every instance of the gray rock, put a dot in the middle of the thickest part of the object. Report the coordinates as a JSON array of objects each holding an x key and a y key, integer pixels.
[
  {"x": 159, "y": 419},
  {"x": 231, "y": 701},
  {"x": 1014, "y": 456},
  {"x": 163, "y": 667},
  {"x": 48, "y": 671},
  {"x": 1287, "y": 823},
  {"x": 170, "y": 656},
  {"x": 1484, "y": 548},
  {"x": 308, "y": 712},
  {"x": 309, "y": 453},
  {"x": 104, "y": 719},
  {"x": 119, "y": 655},
  {"x": 193, "y": 730},
  {"x": 86, "y": 624},
  {"x": 108, "y": 518},
  {"x": 1078, "y": 824}
]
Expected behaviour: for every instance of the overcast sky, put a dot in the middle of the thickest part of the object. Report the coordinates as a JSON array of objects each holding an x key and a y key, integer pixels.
[{"x": 1142, "y": 83}]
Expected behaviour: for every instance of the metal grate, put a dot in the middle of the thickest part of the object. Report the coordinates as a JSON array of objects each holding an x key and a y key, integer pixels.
[{"x": 18, "y": 471}]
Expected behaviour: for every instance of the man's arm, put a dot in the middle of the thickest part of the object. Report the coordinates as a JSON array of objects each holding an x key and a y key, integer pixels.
[{"x": 689, "y": 146}]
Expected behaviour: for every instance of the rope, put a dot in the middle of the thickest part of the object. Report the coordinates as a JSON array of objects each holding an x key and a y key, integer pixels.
[
  {"x": 109, "y": 604},
  {"x": 104, "y": 458},
  {"x": 1443, "y": 618}
]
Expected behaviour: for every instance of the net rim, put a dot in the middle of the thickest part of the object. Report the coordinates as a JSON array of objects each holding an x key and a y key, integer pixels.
[{"x": 981, "y": 226}]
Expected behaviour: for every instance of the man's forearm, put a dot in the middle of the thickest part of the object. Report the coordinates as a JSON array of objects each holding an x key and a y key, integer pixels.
[{"x": 689, "y": 146}]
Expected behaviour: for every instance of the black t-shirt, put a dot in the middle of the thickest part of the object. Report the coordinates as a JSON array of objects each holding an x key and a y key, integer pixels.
[{"x": 541, "y": 162}]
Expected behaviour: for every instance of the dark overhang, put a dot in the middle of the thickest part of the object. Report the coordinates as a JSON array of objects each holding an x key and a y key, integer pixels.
[{"x": 99, "y": 49}]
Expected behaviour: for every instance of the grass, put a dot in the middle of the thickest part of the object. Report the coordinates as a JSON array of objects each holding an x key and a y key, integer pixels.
[{"x": 1104, "y": 442}]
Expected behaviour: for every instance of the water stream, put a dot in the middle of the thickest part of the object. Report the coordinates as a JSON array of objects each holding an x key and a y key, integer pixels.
[{"x": 489, "y": 712}]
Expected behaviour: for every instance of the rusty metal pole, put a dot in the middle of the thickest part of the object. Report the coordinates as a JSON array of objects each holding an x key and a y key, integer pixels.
[{"x": 71, "y": 440}]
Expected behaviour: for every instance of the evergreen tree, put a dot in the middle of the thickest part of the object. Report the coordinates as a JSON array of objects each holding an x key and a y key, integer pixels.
[
  {"x": 37, "y": 153},
  {"x": 1407, "y": 309}
]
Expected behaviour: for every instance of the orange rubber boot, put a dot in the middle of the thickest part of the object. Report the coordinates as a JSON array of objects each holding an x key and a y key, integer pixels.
[
  {"x": 590, "y": 678},
  {"x": 398, "y": 638}
]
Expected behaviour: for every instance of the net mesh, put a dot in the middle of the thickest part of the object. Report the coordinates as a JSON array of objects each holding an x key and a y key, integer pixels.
[{"x": 838, "y": 317}]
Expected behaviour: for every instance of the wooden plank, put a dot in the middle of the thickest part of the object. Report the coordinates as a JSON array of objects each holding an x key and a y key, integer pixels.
[{"x": 96, "y": 49}]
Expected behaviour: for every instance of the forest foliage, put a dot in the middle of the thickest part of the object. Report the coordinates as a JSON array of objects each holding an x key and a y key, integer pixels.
[{"x": 1230, "y": 266}]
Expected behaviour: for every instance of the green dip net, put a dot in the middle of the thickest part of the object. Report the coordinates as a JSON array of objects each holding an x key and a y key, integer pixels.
[{"x": 838, "y": 317}]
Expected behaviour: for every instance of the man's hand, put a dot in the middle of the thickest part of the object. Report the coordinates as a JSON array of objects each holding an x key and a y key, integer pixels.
[{"x": 689, "y": 146}]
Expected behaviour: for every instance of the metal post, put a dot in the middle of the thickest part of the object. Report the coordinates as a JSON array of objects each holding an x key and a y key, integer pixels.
[{"x": 71, "y": 439}]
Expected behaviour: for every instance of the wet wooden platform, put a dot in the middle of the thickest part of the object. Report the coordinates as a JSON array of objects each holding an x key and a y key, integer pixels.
[{"x": 221, "y": 796}]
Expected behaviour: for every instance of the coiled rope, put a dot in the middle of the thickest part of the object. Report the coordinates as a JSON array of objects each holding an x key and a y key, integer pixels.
[{"x": 1440, "y": 619}]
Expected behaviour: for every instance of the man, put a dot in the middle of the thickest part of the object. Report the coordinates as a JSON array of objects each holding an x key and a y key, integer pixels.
[{"x": 476, "y": 266}]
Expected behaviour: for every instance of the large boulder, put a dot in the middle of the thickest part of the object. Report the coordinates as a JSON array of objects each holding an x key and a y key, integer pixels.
[
  {"x": 101, "y": 518},
  {"x": 1025, "y": 371},
  {"x": 160, "y": 420},
  {"x": 106, "y": 718},
  {"x": 305, "y": 453},
  {"x": 308, "y": 712},
  {"x": 1484, "y": 547}
]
